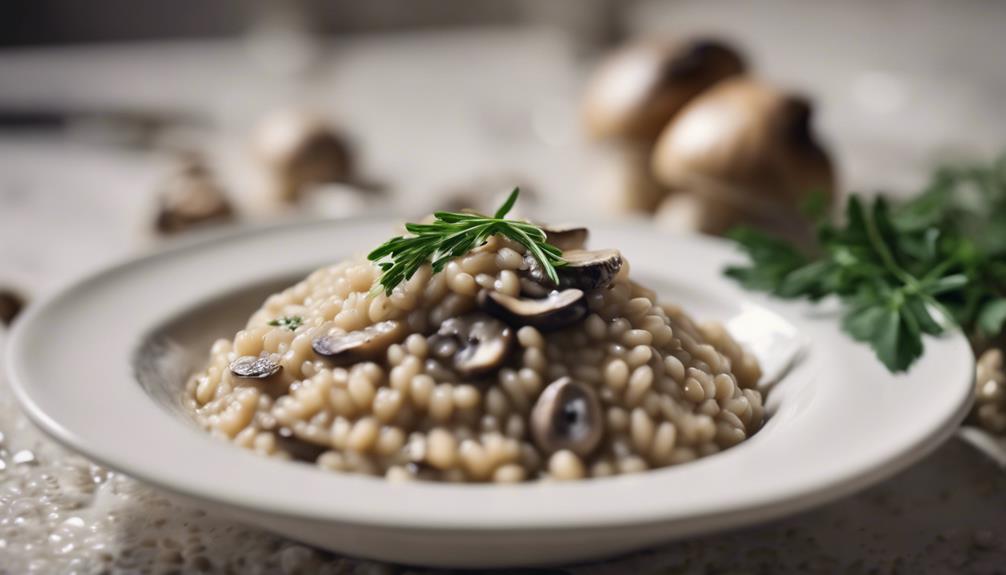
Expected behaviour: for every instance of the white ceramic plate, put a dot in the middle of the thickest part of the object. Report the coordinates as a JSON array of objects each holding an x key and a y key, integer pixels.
[{"x": 839, "y": 420}]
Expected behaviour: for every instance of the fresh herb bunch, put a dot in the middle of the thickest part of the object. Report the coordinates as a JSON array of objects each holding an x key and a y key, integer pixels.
[
  {"x": 290, "y": 322},
  {"x": 901, "y": 270},
  {"x": 454, "y": 234}
]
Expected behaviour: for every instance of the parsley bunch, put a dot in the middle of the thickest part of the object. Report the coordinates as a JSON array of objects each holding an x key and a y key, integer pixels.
[
  {"x": 904, "y": 270},
  {"x": 454, "y": 234}
]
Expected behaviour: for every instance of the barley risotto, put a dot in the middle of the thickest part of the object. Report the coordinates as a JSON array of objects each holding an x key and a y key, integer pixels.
[{"x": 489, "y": 370}]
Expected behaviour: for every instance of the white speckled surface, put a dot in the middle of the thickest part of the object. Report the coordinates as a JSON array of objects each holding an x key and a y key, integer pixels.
[{"x": 69, "y": 206}]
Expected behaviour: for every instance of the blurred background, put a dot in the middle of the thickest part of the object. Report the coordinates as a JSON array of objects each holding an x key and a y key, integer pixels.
[{"x": 122, "y": 122}]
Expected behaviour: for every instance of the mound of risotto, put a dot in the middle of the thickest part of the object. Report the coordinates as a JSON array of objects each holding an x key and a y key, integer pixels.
[{"x": 486, "y": 371}]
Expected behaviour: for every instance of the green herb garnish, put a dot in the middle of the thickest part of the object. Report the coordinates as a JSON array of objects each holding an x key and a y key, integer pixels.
[
  {"x": 290, "y": 322},
  {"x": 900, "y": 271},
  {"x": 454, "y": 234}
]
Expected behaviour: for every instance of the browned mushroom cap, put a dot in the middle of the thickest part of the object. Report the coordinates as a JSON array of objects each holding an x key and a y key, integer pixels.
[
  {"x": 555, "y": 311},
  {"x": 360, "y": 345},
  {"x": 301, "y": 150},
  {"x": 11, "y": 304},
  {"x": 584, "y": 269},
  {"x": 638, "y": 89},
  {"x": 254, "y": 367},
  {"x": 747, "y": 149},
  {"x": 567, "y": 415},
  {"x": 475, "y": 344},
  {"x": 589, "y": 269},
  {"x": 189, "y": 198},
  {"x": 566, "y": 236}
]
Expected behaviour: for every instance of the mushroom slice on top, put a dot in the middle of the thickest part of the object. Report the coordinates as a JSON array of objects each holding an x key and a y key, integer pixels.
[
  {"x": 567, "y": 415},
  {"x": 589, "y": 269},
  {"x": 555, "y": 311},
  {"x": 584, "y": 269},
  {"x": 475, "y": 344},
  {"x": 254, "y": 367},
  {"x": 363, "y": 344},
  {"x": 566, "y": 236}
]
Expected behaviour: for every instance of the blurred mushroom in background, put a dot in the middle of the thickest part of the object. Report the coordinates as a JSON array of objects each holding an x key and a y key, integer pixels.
[
  {"x": 485, "y": 193},
  {"x": 631, "y": 98},
  {"x": 11, "y": 304},
  {"x": 191, "y": 197},
  {"x": 301, "y": 151},
  {"x": 742, "y": 152}
]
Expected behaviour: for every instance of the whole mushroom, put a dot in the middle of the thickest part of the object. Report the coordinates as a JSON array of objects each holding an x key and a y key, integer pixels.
[
  {"x": 191, "y": 197},
  {"x": 743, "y": 152},
  {"x": 635, "y": 93},
  {"x": 299, "y": 151}
]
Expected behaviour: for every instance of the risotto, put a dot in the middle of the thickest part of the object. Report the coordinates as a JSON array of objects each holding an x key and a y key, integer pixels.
[{"x": 487, "y": 371}]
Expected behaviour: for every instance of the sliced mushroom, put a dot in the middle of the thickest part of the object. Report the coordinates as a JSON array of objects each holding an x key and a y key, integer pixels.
[
  {"x": 254, "y": 367},
  {"x": 555, "y": 311},
  {"x": 566, "y": 237},
  {"x": 360, "y": 345},
  {"x": 589, "y": 269},
  {"x": 584, "y": 269},
  {"x": 475, "y": 344},
  {"x": 567, "y": 415}
]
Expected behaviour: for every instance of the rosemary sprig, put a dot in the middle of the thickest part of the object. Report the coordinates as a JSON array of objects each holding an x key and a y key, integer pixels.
[{"x": 454, "y": 234}]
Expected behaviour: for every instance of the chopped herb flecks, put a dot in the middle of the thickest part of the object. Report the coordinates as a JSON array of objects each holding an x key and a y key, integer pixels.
[{"x": 290, "y": 322}]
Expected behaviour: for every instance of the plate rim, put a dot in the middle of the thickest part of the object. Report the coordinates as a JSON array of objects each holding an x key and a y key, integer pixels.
[{"x": 731, "y": 515}]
